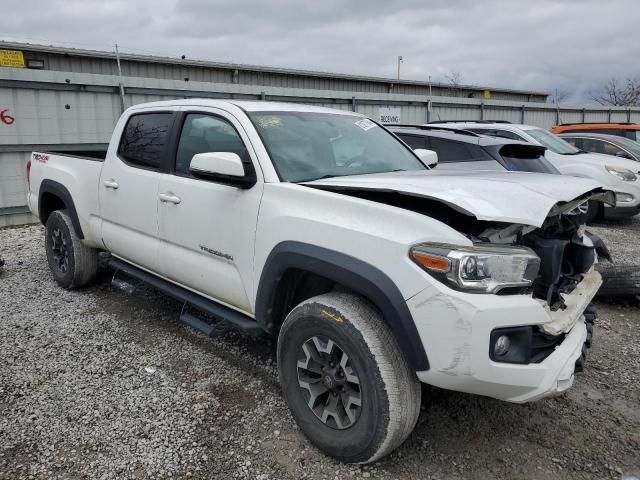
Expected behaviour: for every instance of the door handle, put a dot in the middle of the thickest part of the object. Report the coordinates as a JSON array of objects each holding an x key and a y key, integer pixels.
[
  {"x": 111, "y": 184},
  {"x": 169, "y": 197}
]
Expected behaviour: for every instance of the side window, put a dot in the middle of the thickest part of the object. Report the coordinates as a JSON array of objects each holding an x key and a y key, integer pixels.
[
  {"x": 207, "y": 133},
  {"x": 413, "y": 141},
  {"x": 450, "y": 151},
  {"x": 576, "y": 142},
  {"x": 482, "y": 131},
  {"x": 144, "y": 139},
  {"x": 593, "y": 145},
  {"x": 611, "y": 149},
  {"x": 508, "y": 134}
]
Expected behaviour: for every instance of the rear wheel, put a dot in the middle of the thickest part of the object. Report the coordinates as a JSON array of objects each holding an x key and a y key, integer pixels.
[
  {"x": 73, "y": 264},
  {"x": 348, "y": 386}
]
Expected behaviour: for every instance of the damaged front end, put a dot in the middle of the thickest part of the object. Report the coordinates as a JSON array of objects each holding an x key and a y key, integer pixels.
[
  {"x": 566, "y": 281},
  {"x": 567, "y": 252},
  {"x": 554, "y": 263}
]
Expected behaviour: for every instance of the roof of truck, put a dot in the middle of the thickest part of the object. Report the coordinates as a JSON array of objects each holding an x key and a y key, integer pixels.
[{"x": 247, "y": 105}]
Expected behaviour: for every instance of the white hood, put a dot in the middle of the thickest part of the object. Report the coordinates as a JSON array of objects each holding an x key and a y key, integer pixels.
[
  {"x": 510, "y": 197},
  {"x": 596, "y": 159}
]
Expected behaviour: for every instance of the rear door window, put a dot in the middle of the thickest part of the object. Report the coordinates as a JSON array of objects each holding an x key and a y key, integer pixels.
[
  {"x": 576, "y": 142},
  {"x": 144, "y": 140},
  {"x": 497, "y": 133},
  {"x": 414, "y": 141},
  {"x": 451, "y": 151}
]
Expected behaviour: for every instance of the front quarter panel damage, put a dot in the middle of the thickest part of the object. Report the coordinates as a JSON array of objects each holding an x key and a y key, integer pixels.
[{"x": 450, "y": 316}]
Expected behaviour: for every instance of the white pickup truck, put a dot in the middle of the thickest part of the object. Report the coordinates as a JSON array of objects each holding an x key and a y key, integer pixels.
[{"x": 322, "y": 228}]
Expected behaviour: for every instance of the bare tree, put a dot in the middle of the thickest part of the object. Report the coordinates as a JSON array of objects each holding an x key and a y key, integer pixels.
[
  {"x": 615, "y": 92},
  {"x": 559, "y": 95},
  {"x": 454, "y": 84}
]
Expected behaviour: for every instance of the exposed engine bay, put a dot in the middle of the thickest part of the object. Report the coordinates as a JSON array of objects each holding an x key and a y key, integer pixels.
[{"x": 567, "y": 251}]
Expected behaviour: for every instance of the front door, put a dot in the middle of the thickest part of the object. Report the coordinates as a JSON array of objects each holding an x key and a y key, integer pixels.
[
  {"x": 129, "y": 189},
  {"x": 207, "y": 229}
]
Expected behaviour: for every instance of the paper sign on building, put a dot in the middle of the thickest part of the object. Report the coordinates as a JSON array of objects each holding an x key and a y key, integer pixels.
[{"x": 389, "y": 115}]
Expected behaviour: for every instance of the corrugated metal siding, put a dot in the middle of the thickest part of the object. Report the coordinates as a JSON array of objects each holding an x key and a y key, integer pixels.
[
  {"x": 172, "y": 71},
  {"x": 13, "y": 183},
  {"x": 510, "y": 115},
  {"x": 41, "y": 116},
  {"x": 454, "y": 112}
]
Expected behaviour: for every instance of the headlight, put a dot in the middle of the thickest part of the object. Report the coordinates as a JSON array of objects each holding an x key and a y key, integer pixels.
[
  {"x": 622, "y": 173},
  {"x": 479, "y": 269}
]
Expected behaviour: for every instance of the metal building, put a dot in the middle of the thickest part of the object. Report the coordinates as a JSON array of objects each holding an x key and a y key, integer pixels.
[
  {"x": 61, "y": 59},
  {"x": 54, "y": 98}
]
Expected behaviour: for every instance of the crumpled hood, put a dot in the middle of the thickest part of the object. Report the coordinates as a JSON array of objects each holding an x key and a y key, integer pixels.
[{"x": 510, "y": 197}]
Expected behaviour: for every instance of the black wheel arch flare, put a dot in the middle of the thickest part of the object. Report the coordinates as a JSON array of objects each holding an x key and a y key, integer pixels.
[
  {"x": 355, "y": 274},
  {"x": 57, "y": 189}
]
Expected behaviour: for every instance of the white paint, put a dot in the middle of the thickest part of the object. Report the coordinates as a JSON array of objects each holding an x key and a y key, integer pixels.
[
  {"x": 514, "y": 197},
  {"x": 585, "y": 165},
  {"x": 120, "y": 207}
]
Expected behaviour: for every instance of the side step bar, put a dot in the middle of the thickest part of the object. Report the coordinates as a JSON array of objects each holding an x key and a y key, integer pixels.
[{"x": 224, "y": 314}]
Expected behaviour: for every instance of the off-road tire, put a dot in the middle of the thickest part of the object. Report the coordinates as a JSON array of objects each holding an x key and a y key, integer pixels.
[
  {"x": 81, "y": 263},
  {"x": 619, "y": 280},
  {"x": 389, "y": 388}
]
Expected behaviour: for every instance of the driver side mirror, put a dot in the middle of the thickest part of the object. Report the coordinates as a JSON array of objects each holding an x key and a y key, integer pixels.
[
  {"x": 429, "y": 157},
  {"x": 222, "y": 167}
]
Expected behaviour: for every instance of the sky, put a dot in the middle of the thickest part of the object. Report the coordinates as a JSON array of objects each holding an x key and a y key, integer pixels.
[{"x": 573, "y": 46}]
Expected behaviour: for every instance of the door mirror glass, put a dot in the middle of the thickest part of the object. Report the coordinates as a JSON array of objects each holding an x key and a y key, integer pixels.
[
  {"x": 428, "y": 157},
  {"x": 216, "y": 163}
]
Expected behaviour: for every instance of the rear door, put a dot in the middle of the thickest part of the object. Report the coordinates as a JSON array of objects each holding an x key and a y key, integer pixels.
[
  {"x": 207, "y": 228},
  {"x": 129, "y": 188}
]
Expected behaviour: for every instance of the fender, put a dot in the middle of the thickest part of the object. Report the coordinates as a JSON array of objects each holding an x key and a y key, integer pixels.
[
  {"x": 60, "y": 191},
  {"x": 354, "y": 274}
]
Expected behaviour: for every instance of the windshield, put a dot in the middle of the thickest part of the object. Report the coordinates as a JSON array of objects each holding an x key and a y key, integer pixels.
[
  {"x": 306, "y": 146},
  {"x": 630, "y": 145},
  {"x": 552, "y": 142}
]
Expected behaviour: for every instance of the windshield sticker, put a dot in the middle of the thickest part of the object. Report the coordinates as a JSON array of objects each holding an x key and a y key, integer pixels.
[
  {"x": 365, "y": 124},
  {"x": 270, "y": 121}
]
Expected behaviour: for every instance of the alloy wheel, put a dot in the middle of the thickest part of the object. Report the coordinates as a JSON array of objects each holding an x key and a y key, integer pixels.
[{"x": 329, "y": 382}]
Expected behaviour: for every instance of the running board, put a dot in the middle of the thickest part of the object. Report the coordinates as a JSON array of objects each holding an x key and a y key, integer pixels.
[{"x": 224, "y": 314}]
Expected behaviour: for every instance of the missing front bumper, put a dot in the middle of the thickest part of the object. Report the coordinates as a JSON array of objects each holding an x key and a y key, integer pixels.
[{"x": 575, "y": 303}]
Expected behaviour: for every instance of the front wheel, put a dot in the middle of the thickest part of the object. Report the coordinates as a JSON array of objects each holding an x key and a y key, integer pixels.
[
  {"x": 72, "y": 264},
  {"x": 346, "y": 382}
]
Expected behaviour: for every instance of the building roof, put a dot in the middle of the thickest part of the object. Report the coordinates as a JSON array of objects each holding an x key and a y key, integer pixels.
[{"x": 242, "y": 67}]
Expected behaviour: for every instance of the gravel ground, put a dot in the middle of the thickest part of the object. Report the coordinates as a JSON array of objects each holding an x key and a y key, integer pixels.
[
  {"x": 99, "y": 383},
  {"x": 621, "y": 237}
]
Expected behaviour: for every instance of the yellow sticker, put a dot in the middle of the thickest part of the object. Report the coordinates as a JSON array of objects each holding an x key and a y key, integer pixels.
[
  {"x": 11, "y": 58},
  {"x": 270, "y": 121},
  {"x": 332, "y": 316}
]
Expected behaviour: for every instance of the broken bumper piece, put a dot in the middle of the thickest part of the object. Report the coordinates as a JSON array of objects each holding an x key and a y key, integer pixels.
[{"x": 456, "y": 330}]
